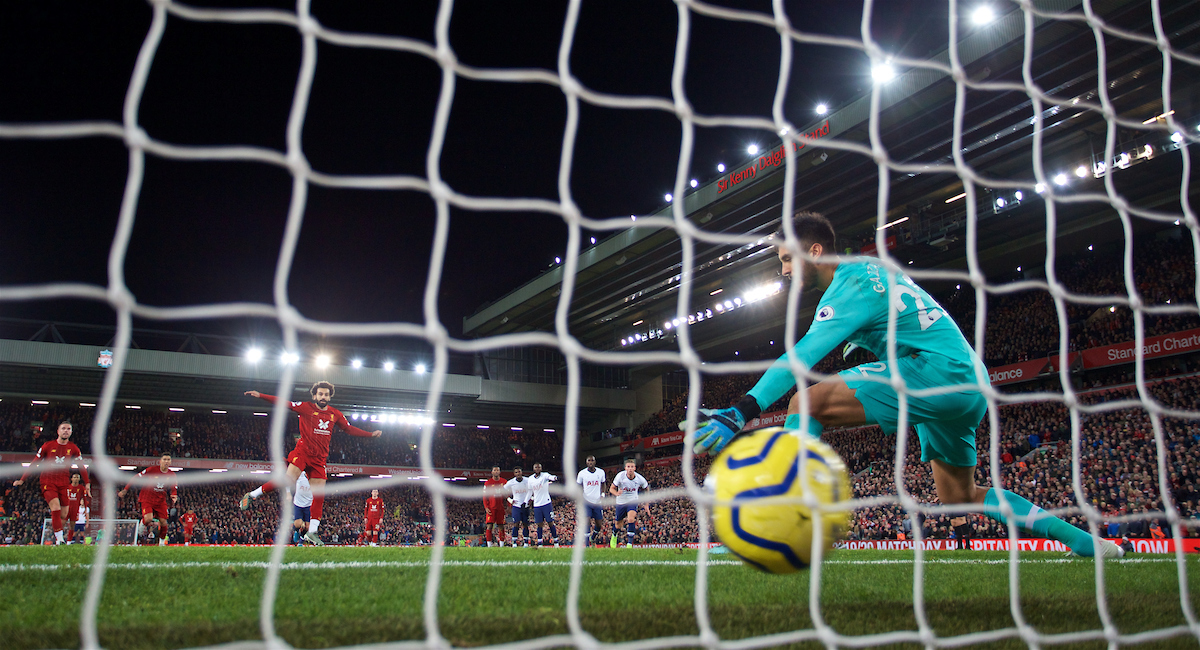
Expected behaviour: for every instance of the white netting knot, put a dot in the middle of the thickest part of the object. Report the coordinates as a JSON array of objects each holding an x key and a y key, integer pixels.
[
  {"x": 298, "y": 164},
  {"x": 570, "y": 85},
  {"x": 439, "y": 190},
  {"x": 436, "y": 333},
  {"x": 121, "y": 298},
  {"x": 136, "y": 137},
  {"x": 308, "y": 25},
  {"x": 446, "y": 57}
]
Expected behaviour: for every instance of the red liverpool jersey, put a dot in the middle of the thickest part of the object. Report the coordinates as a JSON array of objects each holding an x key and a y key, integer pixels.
[
  {"x": 54, "y": 461},
  {"x": 189, "y": 520},
  {"x": 157, "y": 493},
  {"x": 374, "y": 508},
  {"x": 316, "y": 426},
  {"x": 493, "y": 494}
]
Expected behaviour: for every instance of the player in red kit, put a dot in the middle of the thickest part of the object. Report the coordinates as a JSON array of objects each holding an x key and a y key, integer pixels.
[
  {"x": 189, "y": 524},
  {"x": 54, "y": 461},
  {"x": 317, "y": 422},
  {"x": 374, "y": 516},
  {"x": 153, "y": 498},
  {"x": 75, "y": 497},
  {"x": 494, "y": 505}
]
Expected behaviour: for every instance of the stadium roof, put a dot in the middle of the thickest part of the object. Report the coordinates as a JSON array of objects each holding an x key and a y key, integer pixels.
[
  {"x": 627, "y": 283},
  {"x": 62, "y": 371}
]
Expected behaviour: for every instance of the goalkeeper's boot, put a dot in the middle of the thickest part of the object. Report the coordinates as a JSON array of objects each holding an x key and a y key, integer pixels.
[
  {"x": 244, "y": 504},
  {"x": 311, "y": 538},
  {"x": 1109, "y": 550}
]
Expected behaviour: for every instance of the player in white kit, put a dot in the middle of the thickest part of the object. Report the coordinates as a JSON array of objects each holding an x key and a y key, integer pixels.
[
  {"x": 539, "y": 485},
  {"x": 519, "y": 487},
  {"x": 301, "y": 508},
  {"x": 592, "y": 480},
  {"x": 625, "y": 487}
]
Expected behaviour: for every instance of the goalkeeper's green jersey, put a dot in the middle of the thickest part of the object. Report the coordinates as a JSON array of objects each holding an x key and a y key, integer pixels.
[{"x": 855, "y": 309}]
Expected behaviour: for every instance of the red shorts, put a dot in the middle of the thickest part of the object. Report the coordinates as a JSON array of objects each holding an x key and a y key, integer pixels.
[
  {"x": 52, "y": 492},
  {"x": 373, "y": 522},
  {"x": 159, "y": 510},
  {"x": 494, "y": 516},
  {"x": 72, "y": 512},
  {"x": 187, "y": 531},
  {"x": 306, "y": 463}
]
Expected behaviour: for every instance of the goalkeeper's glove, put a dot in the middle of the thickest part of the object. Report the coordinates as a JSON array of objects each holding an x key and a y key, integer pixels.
[{"x": 723, "y": 424}]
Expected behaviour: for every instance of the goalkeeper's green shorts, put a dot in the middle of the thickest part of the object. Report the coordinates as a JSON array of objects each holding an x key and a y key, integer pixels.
[{"x": 945, "y": 423}]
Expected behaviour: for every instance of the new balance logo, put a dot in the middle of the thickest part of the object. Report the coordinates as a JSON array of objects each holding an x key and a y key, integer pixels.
[{"x": 324, "y": 425}]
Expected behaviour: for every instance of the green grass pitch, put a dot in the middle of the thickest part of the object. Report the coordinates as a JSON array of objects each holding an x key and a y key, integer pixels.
[{"x": 184, "y": 596}]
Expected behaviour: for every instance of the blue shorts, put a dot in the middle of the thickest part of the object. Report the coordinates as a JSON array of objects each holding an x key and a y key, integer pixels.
[
  {"x": 541, "y": 513},
  {"x": 520, "y": 515},
  {"x": 623, "y": 508},
  {"x": 79, "y": 527},
  {"x": 299, "y": 512},
  {"x": 945, "y": 423},
  {"x": 594, "y": 511}
]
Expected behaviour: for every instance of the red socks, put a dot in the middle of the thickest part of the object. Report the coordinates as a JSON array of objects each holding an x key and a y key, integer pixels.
[
  {"x": 162, "y": 531},
  {"x": 318, "y": 505},
  {"x": 56, "y": 520},
  {"x": 487, "y": 534},
  {"x": 268, "y": 487}
]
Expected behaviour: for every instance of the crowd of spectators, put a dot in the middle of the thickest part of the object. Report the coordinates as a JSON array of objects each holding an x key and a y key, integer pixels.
[
  {"x": 235, "y": 436},
  {"x": 1023, "y": 326}
]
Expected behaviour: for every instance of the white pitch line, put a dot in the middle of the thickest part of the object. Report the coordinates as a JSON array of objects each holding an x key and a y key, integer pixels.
[{"x": 307, "y": 566}]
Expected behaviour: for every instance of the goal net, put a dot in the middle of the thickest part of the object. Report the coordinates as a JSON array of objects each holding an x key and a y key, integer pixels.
[
  {"x": 125, "y": 532},
  {"x": 1000, "y": 117}
]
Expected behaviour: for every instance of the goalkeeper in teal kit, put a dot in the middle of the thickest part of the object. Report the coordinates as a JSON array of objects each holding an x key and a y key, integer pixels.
[{"x": 930, "y": 353}]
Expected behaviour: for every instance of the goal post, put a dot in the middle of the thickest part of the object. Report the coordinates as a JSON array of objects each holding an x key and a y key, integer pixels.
[{"x": 125, "y": 531}]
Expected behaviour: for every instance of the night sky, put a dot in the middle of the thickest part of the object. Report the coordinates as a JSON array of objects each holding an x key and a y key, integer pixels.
[{"x": 211, "y": 231}]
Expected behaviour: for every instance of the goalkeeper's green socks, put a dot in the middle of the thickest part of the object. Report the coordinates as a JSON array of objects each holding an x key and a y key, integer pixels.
[
  {"x": 813, "y": 427},
  {"x": 1037, "y": 521}
]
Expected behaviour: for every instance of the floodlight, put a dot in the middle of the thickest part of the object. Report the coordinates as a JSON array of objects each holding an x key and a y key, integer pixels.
[
  {"x": 389, "y": 366},
  {"x": 752, "y": 149},
  {"x": 822, "y": 109},
  {"x": 668, "y": 198},
  {"x": 983, "y": 15},
  {"x": 420, "y": 368},
  {"x": 357, "y": 363},
  {"x": 322, "y": 361},
  {"x": 721, "y": 166},
  {"x": 254, "y": 355},
  {"x": 1039, "y": 188},
  {"x": 1081, "y": 171},
  {"x": 1060, "y": 179},
  {"x": 883, "y": 73},
  {"x": 288, "y": 358}
]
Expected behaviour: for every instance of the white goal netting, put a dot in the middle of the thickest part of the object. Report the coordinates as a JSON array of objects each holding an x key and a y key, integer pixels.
[{"x": 1024, "y": 21}]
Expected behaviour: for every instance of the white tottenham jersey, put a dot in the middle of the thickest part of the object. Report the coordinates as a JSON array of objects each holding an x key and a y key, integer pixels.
[
  {"x": 520, "y": 491},
  {"x": 593, "y": 484},
  {"x": 83, "y": 515},
  {"x": 539, "y": 484},
  {"x": 303, "y": 496},
  {"x": 629, "y": 487}
]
